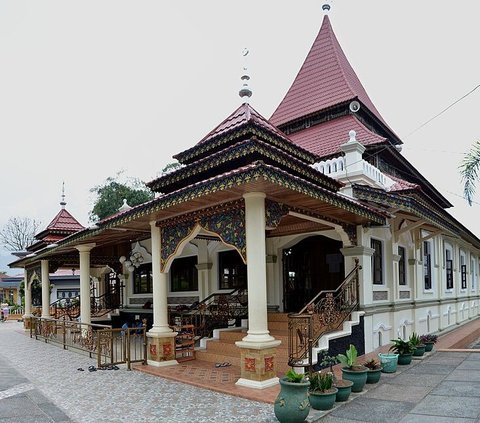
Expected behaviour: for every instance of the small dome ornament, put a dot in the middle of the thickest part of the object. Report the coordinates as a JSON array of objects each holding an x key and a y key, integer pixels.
[
  {"x": 352, "y": 134},
  {"x": 326, "y": 7},
  {"x": 245, "y": 92},
  {"x": 63, "y": 203}
]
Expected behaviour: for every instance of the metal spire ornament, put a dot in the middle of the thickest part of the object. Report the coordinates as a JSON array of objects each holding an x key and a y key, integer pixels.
[
  {"x": 63, "y": 203},
  {"x": 245, "y": 92}
]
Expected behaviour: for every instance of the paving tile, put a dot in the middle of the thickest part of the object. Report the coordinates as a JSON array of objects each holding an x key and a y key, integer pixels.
[
  {"x": 36, "y": 396},
  {"x": 457, "y": 389},
  {"x": 469, "y": 365},
  {"x": 373, "y": 410},
  {"x": 333, "y": 419},
  {"x": 409, "y": 379},
  {"x": 54, "y": 412},
  {"x": 391, "y": 392},
  {"x": 420, "y": 418},
  {"x": 473, "y": 356},
  {"x": 465, "y": 375},
  {"x": 432, "y": 369},
  {"x": 8, "y": 382},
  {"x": 440, "y": 359},
  {"x": 451, "y": 406},
  {"x": 18, "y": 406}
]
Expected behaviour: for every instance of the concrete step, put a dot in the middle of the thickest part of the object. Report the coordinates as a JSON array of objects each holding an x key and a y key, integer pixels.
[
  {"x": 278, "y": 325},
  {"x": 217, "y": 358}
]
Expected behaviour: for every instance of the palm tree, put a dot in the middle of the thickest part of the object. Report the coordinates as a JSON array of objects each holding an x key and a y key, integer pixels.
[{"x": 469, "y": 170}]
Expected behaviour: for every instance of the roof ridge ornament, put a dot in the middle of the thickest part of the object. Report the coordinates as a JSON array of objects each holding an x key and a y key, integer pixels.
[
  {"x": 245, "y": 92},
  {"x": 63, "y": 203},
  {"x": 326, "y": 8}
]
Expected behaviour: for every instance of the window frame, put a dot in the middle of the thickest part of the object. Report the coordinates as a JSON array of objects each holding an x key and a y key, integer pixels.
[
  {"x": 463, "y": 270},
  {"x": 144, "y": 268},
  {"x": 188, "y": 272},
  {"x": 427, "y": 265},
  {"x": 226, "y": 258},
  {"x": 449, "y": 281},
  {"x": 402, "y": 266},
  {"x": 377, "y": 261}
]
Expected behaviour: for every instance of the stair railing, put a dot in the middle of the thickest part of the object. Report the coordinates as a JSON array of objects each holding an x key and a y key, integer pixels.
[
  {"x": 215, "y": 311},
  {"x": 104, "y": 304},
  {"x": 65, "y": 308},
  {"x": 326, "y": 312}
]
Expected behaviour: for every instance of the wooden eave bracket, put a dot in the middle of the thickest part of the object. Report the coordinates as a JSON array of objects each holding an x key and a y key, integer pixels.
[
  {"x": 427, "y": 237},
  {"x": 410, "y": 227}
]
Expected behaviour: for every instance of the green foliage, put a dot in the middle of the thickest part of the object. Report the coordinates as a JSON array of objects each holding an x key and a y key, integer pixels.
[
  {"x": 429, "y": 338},
  {"x": 293, "y": 376},
  {"x": 170, "y": 167},
  {"x": 349, "y": 359},
  {"x": 321, "y": 382},
  {"x": 372, "y": 364},
  {"x": 415, "y": 339},
  {"x": 399, "y": 346},
  {"x": 469, "y": 169},
  {"x": 111, "y": 193}
]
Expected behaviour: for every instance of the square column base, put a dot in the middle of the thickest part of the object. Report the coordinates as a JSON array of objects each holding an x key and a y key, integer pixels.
[
  {"x": 27, "y": 322},
  {"x": 161, "y": 349},
  {"x": 258, "y": 366}
]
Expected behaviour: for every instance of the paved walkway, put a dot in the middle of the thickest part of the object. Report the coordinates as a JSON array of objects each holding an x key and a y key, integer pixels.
[{"x": 40, "y": 383}]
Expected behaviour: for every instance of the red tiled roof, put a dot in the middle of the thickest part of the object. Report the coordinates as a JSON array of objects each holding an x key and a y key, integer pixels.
[
  {"x": 64, "y": 221},
  {"x": 325, "y": 139},
  {"x": 325, "y": 79},
  {"x": 243, "y": 115},
  {"x": 401, "y": 184}
]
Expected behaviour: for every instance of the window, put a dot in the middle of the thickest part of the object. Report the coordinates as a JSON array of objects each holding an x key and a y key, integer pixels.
[
  {"x": 377, "y": 261},
  {"x": 142, "y": 279},
  {"x": 402, "y": 273},
  {"x": 427, "y": 265},
  {"x": 232, "y": 270},
  {"x": 449, "y": 268},
  {"x": 463, "y": 270},
  {"x": 473, "y": 269},
  {"x": 184, "y": 274}
]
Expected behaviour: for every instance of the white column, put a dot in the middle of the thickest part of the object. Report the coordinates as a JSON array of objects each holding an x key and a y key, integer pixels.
[
  {"x": 160, "y": 286},
  {"x": 45, "y": 289},
  {"x": 85, "y": 313},
  {"x": 28, "y": 296},
  {"x": 203, "y": 269},
  {"x": 256, "y": 269}
]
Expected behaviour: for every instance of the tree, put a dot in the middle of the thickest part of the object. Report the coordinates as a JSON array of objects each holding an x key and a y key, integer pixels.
[
  {"x": 19, "y": 233},
  {"x": 469, "y": 170},
  {"x": 113, "y": 191}
]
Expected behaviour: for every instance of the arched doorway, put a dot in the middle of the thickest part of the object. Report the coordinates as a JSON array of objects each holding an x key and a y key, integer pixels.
[{"x": 312, "y": 265}]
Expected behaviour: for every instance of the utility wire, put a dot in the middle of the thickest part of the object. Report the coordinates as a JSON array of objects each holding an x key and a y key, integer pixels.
[{"x": 443, "y": 111}]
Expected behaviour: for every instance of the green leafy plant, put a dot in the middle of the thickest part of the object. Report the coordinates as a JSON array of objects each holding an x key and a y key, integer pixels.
[
  {"x": 294, "y": 377},
  {"x": 429, "y": 338},
  {"x": 326, "y": 360},
  {"x": 321, "y": 382},
  {"x": 372, "y": 364},
  {"x": 349, "y": 359},
  {"x": 415, "y": 339},
  {"x": 402, "y": 347}
]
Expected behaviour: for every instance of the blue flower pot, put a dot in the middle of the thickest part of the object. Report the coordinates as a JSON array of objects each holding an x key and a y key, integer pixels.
[{"x": 292, "y": 404}]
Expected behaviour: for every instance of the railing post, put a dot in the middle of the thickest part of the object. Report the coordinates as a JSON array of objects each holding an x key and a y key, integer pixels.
[
  {"x": 357, "y": 284},
  {"x": 127, "y": 349},
  {"x": 99, "y": 349},
  {"x": 64, "y": 335},
  {"x": 31, "y": 325},
  {"x": 310, "y": 344},
  {"x": 144, "y": 349}
]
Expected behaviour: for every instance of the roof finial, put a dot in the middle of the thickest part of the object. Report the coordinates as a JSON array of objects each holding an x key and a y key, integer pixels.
[
  {"x": 326, "y": 7},
  {"x": 63, "y": 203},
  {"x": 245, "y": 92}
]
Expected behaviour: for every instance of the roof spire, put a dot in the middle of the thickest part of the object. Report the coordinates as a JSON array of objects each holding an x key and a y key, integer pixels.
[
  {"x": 245, "y": 92},
  {"x": 63, "y": 203}
]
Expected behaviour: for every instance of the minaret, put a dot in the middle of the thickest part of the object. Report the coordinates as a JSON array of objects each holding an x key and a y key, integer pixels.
[
  {"x": 63, "y": 203},
  {"x": 245, "y": 92}
]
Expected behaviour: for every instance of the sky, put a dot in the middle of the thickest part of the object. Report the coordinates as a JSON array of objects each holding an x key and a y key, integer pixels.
[{"x": 91, "y": 88}]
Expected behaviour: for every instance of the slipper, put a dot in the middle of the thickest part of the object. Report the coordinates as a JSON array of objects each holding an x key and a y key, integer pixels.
[
  {"x": 102, "y": 368},
  {"x": 80, "y": 369},
  {"x": 116, "y": 368},
  {"x": 226, "y": 364},
  {"x": 218, "y": 364},
  {"x": 92, "y": 369}
]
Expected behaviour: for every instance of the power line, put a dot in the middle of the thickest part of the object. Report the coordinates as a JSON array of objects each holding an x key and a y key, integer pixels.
[{"x": 443, "y": 111}]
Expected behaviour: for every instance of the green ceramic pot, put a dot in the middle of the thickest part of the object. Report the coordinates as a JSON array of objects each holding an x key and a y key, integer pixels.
[
  {"x": 373, "y": 376},
  {"x": 428, "y": 346},
  {"x": 344, "y": 389},
  {"x": 357, "y": 376},
  {"x": 292, "y": 404},
  {"x": 323, "y": 400},
  {"x": 389, "y": 362},
  {"x": 404, "y": 359},
  {"x": 419, "y": 351}
]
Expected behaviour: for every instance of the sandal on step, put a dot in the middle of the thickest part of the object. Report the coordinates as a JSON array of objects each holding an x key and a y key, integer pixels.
[{"x": 92, "y": 369}]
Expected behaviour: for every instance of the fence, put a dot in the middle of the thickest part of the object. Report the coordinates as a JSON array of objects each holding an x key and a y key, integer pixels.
[{"x": 110, "y": 346}]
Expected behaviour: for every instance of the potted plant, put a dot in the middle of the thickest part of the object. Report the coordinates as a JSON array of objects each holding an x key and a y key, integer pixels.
[
  {"x": 292, "y": 404},
  {"x": 322, "y": 393},
  {"x": 417, "y": 343},
  {"x": 404, "y": 349},
  {"x": 374, "y": 370},
  {"x": 388, "y": 362},
  {"x": 429, "y": 340},
  {"x": 351, "y": 370},
  {"x": 344, "y": 387}
]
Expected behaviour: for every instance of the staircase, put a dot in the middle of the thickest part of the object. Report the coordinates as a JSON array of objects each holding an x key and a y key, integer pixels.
[{"x": 222, "y": 348}]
